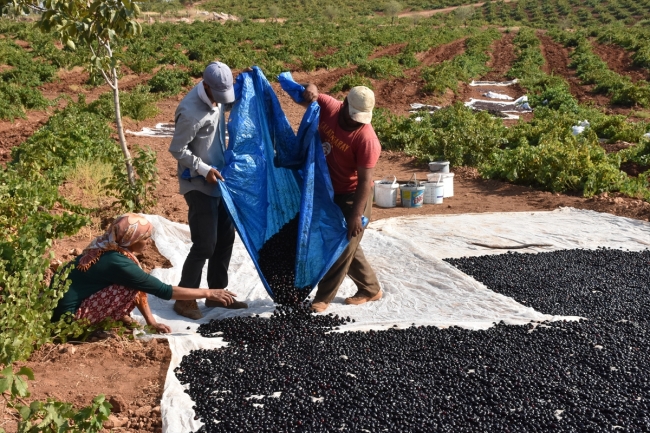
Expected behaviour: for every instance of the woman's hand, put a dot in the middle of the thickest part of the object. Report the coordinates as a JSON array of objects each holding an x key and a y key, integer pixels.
[
  {"x": 161, "y": 328},
  {"x": 221, "y": 296}
]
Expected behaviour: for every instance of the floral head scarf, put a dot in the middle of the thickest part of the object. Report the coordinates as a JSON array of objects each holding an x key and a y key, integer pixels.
[{"x": 125, "y": 231}]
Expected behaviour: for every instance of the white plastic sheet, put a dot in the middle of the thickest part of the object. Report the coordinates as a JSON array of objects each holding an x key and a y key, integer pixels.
[
  {"x": 160, "y": 130},
  {"x": 495, "y": 95},
  {"x": 493, "y": 83},
  {"x": 580, "y": 128},
  {"x": 418, "y": 286}
]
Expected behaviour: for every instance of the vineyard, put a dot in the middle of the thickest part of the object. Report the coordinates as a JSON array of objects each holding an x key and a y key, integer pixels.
[{"x": 63, "y": 177}]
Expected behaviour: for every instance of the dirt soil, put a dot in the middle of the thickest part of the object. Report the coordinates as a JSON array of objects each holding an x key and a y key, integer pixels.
[
  {"x": 619, "y": 60},
  {"x": 133, "y": 373}
]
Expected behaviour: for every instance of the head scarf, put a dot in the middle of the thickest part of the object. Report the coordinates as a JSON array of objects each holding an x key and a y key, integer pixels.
[{"x": 125, "y": 231}]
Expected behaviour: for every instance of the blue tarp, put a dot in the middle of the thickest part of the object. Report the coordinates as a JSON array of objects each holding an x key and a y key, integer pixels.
[{"x": 272, "y": 174}]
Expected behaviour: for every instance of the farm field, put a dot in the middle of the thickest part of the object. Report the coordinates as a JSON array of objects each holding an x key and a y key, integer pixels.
[{"x": 574, "y": 60}]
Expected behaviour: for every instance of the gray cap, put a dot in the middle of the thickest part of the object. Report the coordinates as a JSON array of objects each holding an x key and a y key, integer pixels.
[{"x": 218, "y": 77}]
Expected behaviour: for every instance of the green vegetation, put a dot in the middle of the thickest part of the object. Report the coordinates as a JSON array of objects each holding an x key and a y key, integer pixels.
[
  {"x": 593, "y": 70},
  {"x": 542, "y": 153},
  {"x": 347, "y": 82},
  {"x": 383, "y": 67},
  {"x": 19, "y": 79},
  {"x": 138, "y": 104},
  {"x": 470, "y": 64},
  {"x": 169, "y": 81}
]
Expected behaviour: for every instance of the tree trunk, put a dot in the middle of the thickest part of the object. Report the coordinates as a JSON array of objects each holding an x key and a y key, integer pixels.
[{"x": 120, "y": 129}]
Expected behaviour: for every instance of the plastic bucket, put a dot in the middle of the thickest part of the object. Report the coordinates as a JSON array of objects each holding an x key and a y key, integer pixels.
[
  {"x": 439, "y": 166},
  {"x": 412, "y": 193},
  {"x": 374, "y": 190},
  {"x": 448, "y": 181},
  {"x": 386, "y": 192},
  {"x": 434, "y": 192}
]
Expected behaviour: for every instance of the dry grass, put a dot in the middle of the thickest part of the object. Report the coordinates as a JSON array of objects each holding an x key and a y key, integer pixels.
[{"x": 84, "y": 185}]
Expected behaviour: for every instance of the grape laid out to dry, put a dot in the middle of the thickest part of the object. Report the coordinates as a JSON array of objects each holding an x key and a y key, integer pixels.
[
  {"x": 277, "y": 261},
  {"x": 291, "y": 373}
]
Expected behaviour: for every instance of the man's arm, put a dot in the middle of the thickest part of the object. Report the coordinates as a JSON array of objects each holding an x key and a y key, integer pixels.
[
  {"x": 184, "y": 132},
  {"x": 309, "y": 95},
  {"x": 361, "y": 196}
]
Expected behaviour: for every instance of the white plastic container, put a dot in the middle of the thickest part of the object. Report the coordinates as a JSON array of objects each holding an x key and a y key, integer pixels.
[
  {"x": 434, "y": 192},
  {"x": 439, "y": 166},
  {"x": 448, "y": 181},
  {"x": 374, "y": 190},
  {"x": 386, "y": 192}
]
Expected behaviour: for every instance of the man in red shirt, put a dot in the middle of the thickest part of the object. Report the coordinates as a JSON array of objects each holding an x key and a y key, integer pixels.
[{"x": 351, "y": 149}]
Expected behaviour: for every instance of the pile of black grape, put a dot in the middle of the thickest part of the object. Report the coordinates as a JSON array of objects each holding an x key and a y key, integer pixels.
[
  {"x": 277, "y": 261},
  {"x": 291, "y": 374},
  {"x": 286, "y": 322},
  {"x": 602, "y": 284}
]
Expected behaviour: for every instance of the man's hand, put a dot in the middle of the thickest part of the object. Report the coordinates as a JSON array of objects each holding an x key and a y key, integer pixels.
[
  {"x": 213, "y": 175},
  {"x": 221, "y": 296},
  {"x": 311, "y": 93},
  {"x": 355, "y": 226}
]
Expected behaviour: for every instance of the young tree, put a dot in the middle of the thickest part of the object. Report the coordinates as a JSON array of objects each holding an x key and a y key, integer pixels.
[
  {"x": 393, "y": 9},
  {"x": 98, "y": 24}
]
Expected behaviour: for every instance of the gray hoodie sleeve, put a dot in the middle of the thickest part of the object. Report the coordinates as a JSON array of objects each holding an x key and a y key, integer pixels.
[{"x": 185, "y": 130}]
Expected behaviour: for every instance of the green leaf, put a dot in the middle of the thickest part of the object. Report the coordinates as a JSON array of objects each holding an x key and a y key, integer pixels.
[
  {"x": 25, "y": 412},
  {"x": 26, "y": 371},
  {"x": 19, "y": 387},
  {"x": 71, "y": 45},
  {"x": 7, "y": 379}
]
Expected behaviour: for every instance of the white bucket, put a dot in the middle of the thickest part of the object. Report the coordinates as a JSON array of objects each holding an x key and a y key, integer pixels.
[
  {"x": 386, "y": 192},
  {"x": 412, "y": 193},
  {"x": 448, "y": 181},
  {"x": 434, "y": 192},
  {"x": 374, "y": 190},
  {"x": 439, "y": 166}
]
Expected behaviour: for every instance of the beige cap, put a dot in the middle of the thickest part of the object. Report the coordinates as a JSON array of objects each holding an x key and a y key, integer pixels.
[{"x": 361, "y": 101}]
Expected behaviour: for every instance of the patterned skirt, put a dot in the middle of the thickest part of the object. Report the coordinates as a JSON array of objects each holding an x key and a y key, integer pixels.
[{"x": 113, "y": 302}]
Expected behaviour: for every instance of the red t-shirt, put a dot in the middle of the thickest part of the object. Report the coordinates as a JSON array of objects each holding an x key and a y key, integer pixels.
[{"x": 345, "y": 150}]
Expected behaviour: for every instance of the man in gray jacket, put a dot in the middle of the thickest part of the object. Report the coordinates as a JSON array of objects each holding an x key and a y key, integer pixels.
[{"x": 198, "y": 145}]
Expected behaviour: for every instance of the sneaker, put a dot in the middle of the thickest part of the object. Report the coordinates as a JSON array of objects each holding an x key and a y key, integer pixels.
[
  {"x": 237, "y": 305},
  {"x": 188, "y": 309},
  {"x": 319, "y": 307},
  {"x": 362, "y": 298}
]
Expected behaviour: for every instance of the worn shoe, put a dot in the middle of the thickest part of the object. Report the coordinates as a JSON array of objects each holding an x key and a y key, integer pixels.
[
  {"x": 319, "y": 307},
  {"x": 362, "y": 298},
  {"x": 237, "y": 305},
  {"x": 188, "y": 309}
]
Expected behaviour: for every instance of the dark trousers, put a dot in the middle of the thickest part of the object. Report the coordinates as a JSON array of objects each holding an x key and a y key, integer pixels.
[
  {"x": 213, "y": 235},
  {"x": 352, "y": 262}
]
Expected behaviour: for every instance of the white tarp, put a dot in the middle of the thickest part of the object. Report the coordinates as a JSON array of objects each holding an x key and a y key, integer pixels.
[
  {"x": 495, "y": 95},
  {"x": 160, "y": 130},
  {"x": 493, "y": 83},
  {"x": 418, "y": 286}
]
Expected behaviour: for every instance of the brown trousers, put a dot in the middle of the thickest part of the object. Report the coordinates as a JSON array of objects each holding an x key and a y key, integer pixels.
[{"x": 352, "y": 262}]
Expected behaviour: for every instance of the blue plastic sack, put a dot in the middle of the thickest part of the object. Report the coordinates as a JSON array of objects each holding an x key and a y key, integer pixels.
[{"x": 262, "y": 194}]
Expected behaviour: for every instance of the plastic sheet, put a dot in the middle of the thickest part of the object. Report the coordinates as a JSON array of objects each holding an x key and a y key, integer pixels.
[
  {"x": 271, "y": 175},
  {"x": 495, "y": 95},
  {"x": 160, "y": 130},
  {"x": 493, "y": 83},
  {"x": 418, "y": 286}
]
